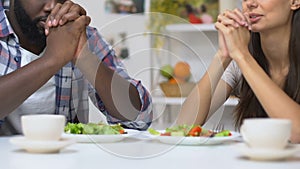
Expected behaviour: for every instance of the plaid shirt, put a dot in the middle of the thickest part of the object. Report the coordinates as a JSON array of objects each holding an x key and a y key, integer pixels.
[{"x": 72, "y": 89}]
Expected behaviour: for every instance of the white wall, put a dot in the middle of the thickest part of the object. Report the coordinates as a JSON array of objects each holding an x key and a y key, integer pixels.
[
  {"x": 110, "y": 25},
  {"x": 228, "y": 4}
]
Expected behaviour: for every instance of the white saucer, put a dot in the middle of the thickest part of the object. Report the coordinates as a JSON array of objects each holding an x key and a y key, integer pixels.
[
  {"x": 33, "y": 146},
  {"x": 268, "y": 154}
]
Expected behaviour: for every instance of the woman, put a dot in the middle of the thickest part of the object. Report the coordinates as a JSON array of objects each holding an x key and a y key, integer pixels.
[{"x": 263, "y": 64}]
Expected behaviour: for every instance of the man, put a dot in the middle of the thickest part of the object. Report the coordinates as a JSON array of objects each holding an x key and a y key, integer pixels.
[{"x": 56, "y": 73}]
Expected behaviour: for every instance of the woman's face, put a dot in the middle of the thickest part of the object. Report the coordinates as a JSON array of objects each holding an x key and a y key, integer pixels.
[{"x": 268, "y": 14}]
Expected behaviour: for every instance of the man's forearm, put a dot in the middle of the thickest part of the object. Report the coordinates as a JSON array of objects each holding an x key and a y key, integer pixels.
[{"x": 120, "y": 97}]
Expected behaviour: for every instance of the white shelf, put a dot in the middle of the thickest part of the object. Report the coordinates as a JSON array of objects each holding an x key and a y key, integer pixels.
[
  {"x": 190, "y": 27},
  {"x": 179, "y": 100},
  {"x": 168, "y": 100}
]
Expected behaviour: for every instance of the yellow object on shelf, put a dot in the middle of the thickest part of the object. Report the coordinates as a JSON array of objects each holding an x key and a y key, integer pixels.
[{"x": 177, "y": 89}]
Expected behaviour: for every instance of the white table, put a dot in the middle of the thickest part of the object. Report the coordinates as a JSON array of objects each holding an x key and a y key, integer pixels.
[{"x": 133, "y": 153}]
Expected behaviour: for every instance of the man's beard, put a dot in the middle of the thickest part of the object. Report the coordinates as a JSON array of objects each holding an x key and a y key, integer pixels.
[{"x": 36, "y": 35}]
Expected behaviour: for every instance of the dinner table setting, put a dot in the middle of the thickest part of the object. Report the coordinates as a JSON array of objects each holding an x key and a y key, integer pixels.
[{"x": 260, "y": 144}]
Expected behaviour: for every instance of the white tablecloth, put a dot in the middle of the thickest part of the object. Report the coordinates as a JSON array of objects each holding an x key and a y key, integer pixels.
[{"x": 134, "y": 153}]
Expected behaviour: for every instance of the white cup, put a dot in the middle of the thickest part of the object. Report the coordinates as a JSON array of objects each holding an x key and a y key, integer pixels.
[
  {"x": 43, "y": 127},
  {"x": 266, "y": 133}
]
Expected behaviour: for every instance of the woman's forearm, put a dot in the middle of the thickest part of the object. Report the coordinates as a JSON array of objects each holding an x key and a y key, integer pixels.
[{"x": 197, "y": 105}]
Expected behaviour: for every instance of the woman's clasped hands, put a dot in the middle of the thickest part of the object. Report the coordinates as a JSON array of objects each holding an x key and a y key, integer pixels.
[{"x": 234, "y": 33}]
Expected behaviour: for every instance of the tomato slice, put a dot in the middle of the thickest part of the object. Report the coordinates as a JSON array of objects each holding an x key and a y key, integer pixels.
[
  {"x": 195, "y": 131},
  {"x": 166, "y": 134}
]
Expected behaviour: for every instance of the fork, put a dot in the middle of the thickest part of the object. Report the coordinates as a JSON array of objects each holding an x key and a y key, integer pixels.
[{"x": 217, "y": 129}]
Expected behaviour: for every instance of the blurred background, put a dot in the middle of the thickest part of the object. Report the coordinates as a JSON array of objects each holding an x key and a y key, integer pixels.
[{"x": 149, "y": 34}]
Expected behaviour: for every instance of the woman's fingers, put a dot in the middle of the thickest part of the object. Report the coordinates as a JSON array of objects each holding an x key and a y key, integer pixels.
[
  {"x": 248, "y": 21},
  {"x": 242, "y": 18},
  {"x": 232, "y": 15},
  {"x": 227, "y": 21},
  {"x": 234, "y": 18}
]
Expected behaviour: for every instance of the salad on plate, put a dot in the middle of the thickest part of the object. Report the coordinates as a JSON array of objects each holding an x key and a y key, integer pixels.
[
  {"x": 94, "y": 133},
  {"x": 192, "y": 135},
  {"x": 93, "y": 128}
]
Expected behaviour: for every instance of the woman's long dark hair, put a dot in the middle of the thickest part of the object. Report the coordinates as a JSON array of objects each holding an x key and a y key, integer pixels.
[{"x": 249, "y": 106}]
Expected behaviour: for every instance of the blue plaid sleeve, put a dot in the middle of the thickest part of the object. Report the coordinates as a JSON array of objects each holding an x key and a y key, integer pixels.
[{"x": 105, "y": 52}]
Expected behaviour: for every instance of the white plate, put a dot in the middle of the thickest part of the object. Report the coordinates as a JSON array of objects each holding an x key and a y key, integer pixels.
[
  {"x": 34, "y": 146},
  {"x": 196, "y": 140},
  {"x": 93, "y": 138},
  {"x": 268, "y": 154}
]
